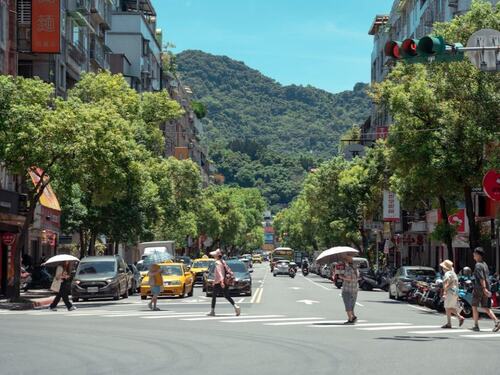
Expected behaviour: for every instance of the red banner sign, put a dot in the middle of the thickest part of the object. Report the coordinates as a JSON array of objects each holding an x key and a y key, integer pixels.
[
  {"x": 46, "y": 26},
  {"x": 8, "y": 239},
  {"x": 491, "y": 185},
  {"x": 458, "y": 219}
]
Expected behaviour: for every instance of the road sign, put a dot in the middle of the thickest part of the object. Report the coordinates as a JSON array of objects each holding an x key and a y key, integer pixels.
[
  {"x": 491, "y": 185},
  {"x": 486, "y": 60},
  {"x": 307, "y": 301},
  {"x": 8, "y": 239}
]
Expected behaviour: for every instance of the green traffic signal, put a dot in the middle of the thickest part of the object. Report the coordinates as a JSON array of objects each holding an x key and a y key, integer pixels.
[{"x": 431, "y": 45}]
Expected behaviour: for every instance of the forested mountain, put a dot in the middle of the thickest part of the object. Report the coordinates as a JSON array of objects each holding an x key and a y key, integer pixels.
[{"x": 261, "y": 133}]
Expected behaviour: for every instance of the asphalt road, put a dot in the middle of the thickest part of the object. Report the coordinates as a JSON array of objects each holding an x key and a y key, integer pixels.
[{"x": 289, "y": 326}]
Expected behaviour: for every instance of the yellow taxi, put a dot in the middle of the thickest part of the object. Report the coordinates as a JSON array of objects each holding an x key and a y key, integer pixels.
[
  {"x": 177, "y": 281},
  {"x": 256, "y": 258},
  {"x": 200, "y": 266}
]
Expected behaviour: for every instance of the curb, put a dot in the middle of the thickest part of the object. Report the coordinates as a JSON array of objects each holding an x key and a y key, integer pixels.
[{"x": 38, "y": 303}]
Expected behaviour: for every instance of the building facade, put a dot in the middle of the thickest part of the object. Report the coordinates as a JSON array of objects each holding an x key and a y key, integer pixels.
[{"x": 409, "y": 237}]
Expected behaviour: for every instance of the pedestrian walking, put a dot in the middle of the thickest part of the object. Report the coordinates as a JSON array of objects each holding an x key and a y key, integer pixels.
[
  {"x": 223, "y": 278},
  {"x": 62, "y": 286},
  {"x": 481, "y": 293},
  {"x": 156, "y": 285},
  {"x": 450, "y": 294},
  {"x": 350, "y": 288}
]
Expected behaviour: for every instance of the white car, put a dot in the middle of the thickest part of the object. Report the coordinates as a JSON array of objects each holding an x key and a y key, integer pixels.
[{"x": 281, "y": 268}]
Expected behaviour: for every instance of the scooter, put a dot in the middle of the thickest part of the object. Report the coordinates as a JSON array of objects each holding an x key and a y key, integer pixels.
[
  {"x": 25, "y": 280},
  {"x": 373, "y": 280},
  {"x": 291, "y": 272},
  {"x": 305, "y": 271}
]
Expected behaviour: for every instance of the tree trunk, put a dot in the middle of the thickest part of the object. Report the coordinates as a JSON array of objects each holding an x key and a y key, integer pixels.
[
  {"x": 471, "y": 216},
  {"x": 92, "y": 240},
  {"x": 83, "y": 243},
  {"x": 117, "y": 247},
  {"x": 447, "y": 240}
]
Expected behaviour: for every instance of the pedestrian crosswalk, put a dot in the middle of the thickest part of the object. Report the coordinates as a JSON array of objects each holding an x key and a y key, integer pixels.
[{"x": 272, "y": 320}]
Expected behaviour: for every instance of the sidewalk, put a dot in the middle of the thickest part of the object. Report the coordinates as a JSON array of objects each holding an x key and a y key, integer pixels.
[{"x": 33, "y": 299}]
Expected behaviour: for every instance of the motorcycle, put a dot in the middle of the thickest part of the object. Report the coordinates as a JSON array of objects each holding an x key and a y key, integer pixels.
[
  {"x": 291, "y": 272},
  {"x": 373, "y": 280},
  {"x": 25, "y": 279},
  {"x": 433, "y": 298},
  {"x": 305, "y": 271}
]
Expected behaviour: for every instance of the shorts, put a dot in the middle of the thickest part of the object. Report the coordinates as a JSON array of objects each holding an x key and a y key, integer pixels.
[
  {"x": 349, "y": 300},
  {"x": 479, "y": 299},
  {"x": 155, "y": 290}
]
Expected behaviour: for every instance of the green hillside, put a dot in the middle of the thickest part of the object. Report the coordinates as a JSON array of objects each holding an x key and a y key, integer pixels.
[{"x": 262, "y": 133}]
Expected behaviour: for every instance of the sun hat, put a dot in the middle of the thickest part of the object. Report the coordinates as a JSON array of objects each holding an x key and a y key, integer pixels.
[
  {"x": 216, "y": 253},
  {"x": 447, "y": 265}
]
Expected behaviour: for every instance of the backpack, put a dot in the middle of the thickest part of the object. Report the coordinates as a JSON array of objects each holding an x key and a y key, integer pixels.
[{"x": 229, "y": 278}]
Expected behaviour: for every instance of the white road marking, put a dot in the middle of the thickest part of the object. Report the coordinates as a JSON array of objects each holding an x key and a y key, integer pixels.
[
  {"x": 406, "y": 325},
  {"x": 393, "y": 327},
  {"x": 170, "y": 316},
  {"x": 439, "y": 331},
  {"x": 241, "y": 300},
  {"x": 267, "y": 320},
  {"x": 222, "y": 317},
  {"x": 259, "y": 298},
  {"x": 423, "y": 309},
  {"x": 295, "y": 288},
  {"x": 307, "y": 322},
  {"x": 307, "y": 301},
  {"x": 485, "y": 336},
  {"x": 315, "y": 283},
  {"x": 359, "y": 304}
]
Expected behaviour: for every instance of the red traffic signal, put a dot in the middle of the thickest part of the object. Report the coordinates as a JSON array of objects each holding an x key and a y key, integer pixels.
[
  {"x": 393, "y": 49},
  {"x": 409, "y": 47}
]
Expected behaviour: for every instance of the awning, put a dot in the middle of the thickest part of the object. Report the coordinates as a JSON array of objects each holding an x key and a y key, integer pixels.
[{"x": 48, "y": 198}]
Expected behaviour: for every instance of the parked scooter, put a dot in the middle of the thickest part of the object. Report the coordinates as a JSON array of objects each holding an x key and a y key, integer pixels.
[
  {"x": 433, "y": 297},
  {"x": 373, "y": 280}
]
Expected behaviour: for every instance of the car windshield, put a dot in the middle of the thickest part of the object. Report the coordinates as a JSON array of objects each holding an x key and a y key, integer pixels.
[
  {"x": 420, "y": 273},
  {"x": 171, "y": 270},
  {"x": 237, "y": 267},
  {"x": 201, "y": 264},
  {"x": 94, "y": 268},
  {"x": 282, "y": 263}
]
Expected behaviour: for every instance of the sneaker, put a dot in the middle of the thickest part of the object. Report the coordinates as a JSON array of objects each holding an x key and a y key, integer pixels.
[
  {"x": 72, "y": 308},
  {"x": 52, "y": 309},
  {"x": 156, "y": 309},
  {"x": 150, "y": 305},
  {"x": 354, "y": 319},
  {"x": 497, "y": 326},
  {"x": 237, "y": 310},
  {"x": 475, "y": 329},
  {"x": 446, "y": 326},
  {"x": 211, "y": 313},
  {"x": 349, "y": 322}
]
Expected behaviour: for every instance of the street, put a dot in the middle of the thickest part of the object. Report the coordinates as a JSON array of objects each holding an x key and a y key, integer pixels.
[{"x": 287, "y": 326}]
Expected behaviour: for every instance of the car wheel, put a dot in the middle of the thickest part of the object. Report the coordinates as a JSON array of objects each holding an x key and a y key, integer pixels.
[
  {"x": 190, "y": 294},
  {"x": 125, "y": 295},
  {"x": 274, "y": 274},
  {"x": 467, "y": 310},
  {"x": 144, "y": 297},
  {"x": 116, "y": 297},
  {"x": 132, "y": 289},
  {"x": 183, "y": 294}
]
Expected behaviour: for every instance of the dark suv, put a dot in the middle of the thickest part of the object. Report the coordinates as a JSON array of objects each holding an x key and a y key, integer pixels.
[{"x": 100, "y": 277}]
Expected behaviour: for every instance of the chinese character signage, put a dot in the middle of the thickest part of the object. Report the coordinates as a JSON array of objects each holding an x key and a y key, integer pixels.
[
  {"x": 46, "y": 26},
  {"x": 391, "y": 206}
]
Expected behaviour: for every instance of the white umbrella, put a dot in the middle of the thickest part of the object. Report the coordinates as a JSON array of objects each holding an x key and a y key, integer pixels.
[
  {"x": 331, "y": 254},
  {"x": 61, "y": 258}
]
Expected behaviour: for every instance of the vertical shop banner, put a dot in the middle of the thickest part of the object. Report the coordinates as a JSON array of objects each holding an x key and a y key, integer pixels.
[
  {"x": 9, "y": 240},
  {"x": 391, "y": 207},
  {"x": 459, "y": 220},
  {"x": 46, "y": 26}
]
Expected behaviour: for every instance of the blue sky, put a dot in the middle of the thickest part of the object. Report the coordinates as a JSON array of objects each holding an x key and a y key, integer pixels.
[{"x": 323, "y": 43}]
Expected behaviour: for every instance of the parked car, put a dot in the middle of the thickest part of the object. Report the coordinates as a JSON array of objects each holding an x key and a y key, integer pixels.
[
  {"x": 100, "y": 277},
  {"x": 401, "y": 283},
  {"x": 136, "y": 278},
  {"x": 281, "y": 268},
  {"x": 177, "y": 281},
  {"x": 325, "y": 271},
  {"x": 243, "y": 279}
]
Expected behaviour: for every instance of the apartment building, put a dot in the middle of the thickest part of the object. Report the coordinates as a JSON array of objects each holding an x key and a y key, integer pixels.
[
  {"x": 410, "y": 234},
  {"x": 136, "y": 44}
]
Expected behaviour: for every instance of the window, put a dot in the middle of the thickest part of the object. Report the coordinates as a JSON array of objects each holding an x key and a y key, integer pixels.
[
  {"x": 3, "y": 24},
  {"x": 145, "y": 47}
]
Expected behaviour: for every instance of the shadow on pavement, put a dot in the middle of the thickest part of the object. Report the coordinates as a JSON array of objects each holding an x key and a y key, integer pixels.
[
  {"x": 329, "y": 324},
  {"x": 414, "y": 338}
]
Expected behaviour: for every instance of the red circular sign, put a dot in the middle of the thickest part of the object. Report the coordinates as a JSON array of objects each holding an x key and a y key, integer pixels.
[
  {"x": 8, "y": 238},
  {"x": 491, "y": 184}
]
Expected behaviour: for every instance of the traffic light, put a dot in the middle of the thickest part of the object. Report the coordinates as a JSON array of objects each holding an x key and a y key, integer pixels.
[{"x": 426, "y": 49}]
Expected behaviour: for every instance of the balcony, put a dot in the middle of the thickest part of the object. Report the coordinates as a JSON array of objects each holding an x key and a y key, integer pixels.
[
  {"x": 81, "y": 6},
  {"x": 98, "y": 54},
  {"x": 77, "y": 51},
  {"x": 101, "y": 13}
]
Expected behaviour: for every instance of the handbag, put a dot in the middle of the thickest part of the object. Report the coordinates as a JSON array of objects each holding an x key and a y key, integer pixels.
[{"x": 229, "y": 278}]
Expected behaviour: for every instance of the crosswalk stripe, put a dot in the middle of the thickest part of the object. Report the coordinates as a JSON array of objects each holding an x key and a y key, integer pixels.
[
  {"x": 267, "y": 320},
  {"x": 308, "y": 322},
  {"x": 393, "y": 327},
  {"x": 219, "y": 317},
  {"x": 439, "y": 331},
  {"x": 375, "y": 325},
  {"x": 480, "y": 336},
  {"x": 169, "y": 316}
]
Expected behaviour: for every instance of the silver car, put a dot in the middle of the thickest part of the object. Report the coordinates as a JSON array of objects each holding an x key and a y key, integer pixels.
[
  {"x": 401, "y": 282},
  {"x": 281, "y": 268}
]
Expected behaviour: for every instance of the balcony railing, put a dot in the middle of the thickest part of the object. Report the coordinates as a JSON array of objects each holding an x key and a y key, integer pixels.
[
  {"x": 101, "y": 10},
  {"x": 98, "y": 53}
]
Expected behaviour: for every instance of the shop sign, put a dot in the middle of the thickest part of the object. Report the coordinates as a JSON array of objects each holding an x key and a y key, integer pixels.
[
  {"x": 391, "y": 207},
  {"x": 491, "y": 185},
  {"x": 46, "y": 26},
  {"x": 8, "y": 239},
  {"x": 458, "y": 220}
]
